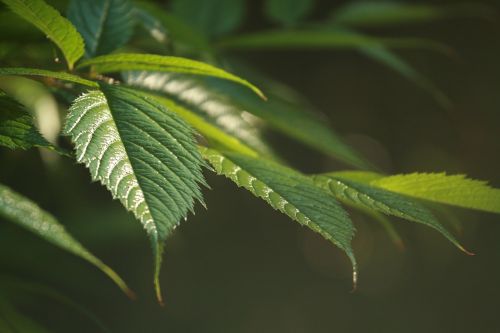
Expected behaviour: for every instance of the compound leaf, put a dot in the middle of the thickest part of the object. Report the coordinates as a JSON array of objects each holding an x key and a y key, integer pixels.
[
  {"x": 143, "y": 153},
  {"x": 27, "y": 214},
  {"x": 51, "y": 23},
  {"x": 289, "y": 192},
  {"x": 105, "y": 25}
]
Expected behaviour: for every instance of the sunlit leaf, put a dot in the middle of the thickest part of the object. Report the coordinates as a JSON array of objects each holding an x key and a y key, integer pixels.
[
  {"x": 144, "y": 154},
  {"x": 289, "y": 192},
  {"x": 201, "y": 98},
  {"x": 389, "y": 203},
  {"x": 152, "y": 62}
]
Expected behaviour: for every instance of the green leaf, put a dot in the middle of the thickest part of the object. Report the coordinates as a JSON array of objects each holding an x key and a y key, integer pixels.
[
  {"x": 382, "y": 13},
  {"x": 210, "y": 132},
  {"x": 51, "y": 23},
  {"x": 287, "y": 12},
  {"x": 289, "y": 192},
  {"x": 200, "y": 98},
  {"x": 143, "y": 153},
  {"x": 379, "y": 49},
  {"x": 153, "y": 26},
  {"x": 152, "y": 62},
  {"x": 383, "y": 201},
  {"x": 17, "y": 129},
  {"x": 48, "y": 74},
  {"x": 289, "y": 113},
  {"x": 27, "y": 214},
  {"x": 211, "y": 17},
  {"x": 105, "y": 25},
  {"x": 457, "y": 190}
]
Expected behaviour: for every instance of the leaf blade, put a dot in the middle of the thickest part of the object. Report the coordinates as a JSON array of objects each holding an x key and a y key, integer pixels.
[
  {"x": 153, "y": 62},
  {"x": 29, "y": 215},
  {"x": 104, "y": 25},
  {"x": 23, "y": 71},
  {"x": 52, "y": 24},
  {"x": 156, "y": 179},
  {"x": 386, "y": 202},
  {"x": 289, "y": 192}
]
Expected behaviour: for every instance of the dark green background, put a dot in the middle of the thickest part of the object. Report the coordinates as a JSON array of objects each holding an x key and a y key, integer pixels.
[{"x": 242, "y": 267}]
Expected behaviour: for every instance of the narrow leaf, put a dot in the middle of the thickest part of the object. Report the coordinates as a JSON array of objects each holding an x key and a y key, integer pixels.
[
  {"x": 27, "y": 214},
  {"x": 47, "y": 74},
  {"x": 17, "y": 129},
  {"x": 105, "y": 25},
  {"x": 457, "y": 190},
  {"x": 152, "y": 62},
  {"x": 143, "y": 153},
  {"x": 383, "y": 201},
  {"x": 213, "y": 134},
  {"x": 51, "y": 23},
  {"x": 289, "y": 192}
]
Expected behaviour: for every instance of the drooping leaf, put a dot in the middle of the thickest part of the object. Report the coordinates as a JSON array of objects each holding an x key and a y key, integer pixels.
[
  {"x": 17, "y": 129},
  {"x": 383, "y": 13},
  {"x": 52, "y": 24},
  {"x": 289, "y": 192},
  {"x": 151, "y": 24},
  {"x": 383, "y": 201},
  {"x": 211, "y": 17},
  {"x": 143, "y": 153},
  {"x": 48, "y": 74},
  {"x": 213, "y": 106},
  {"x": 287, "y": 12},
  {"x": 289, "y": 113},
  {"x": 324, "y": 37},
  {"x": 105, "y": 25},
  {"x": 457, "y": 190},
  {"x": 152, "y": 62},
  {"x": 27, "y": 214}
]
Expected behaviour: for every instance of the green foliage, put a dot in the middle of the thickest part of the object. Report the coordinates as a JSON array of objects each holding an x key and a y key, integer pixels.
[
  {"x": 12, "y": 321},
  {"x": 104, "y": 25},
  {"x": 27, "y": 214},
  {"x": 291, "y": 193},
  {"x": 373, "y": 198},
  {"x": 17, "y": 130},
  {"x": 51, "y": 23},
  {"x": 202, "y": 98},
  {"x": 157, "y": 178},
  {"x": 152, "y": 62},
  {"x": 287, "y": 12},
  {"x": 137, "y": 135}
]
